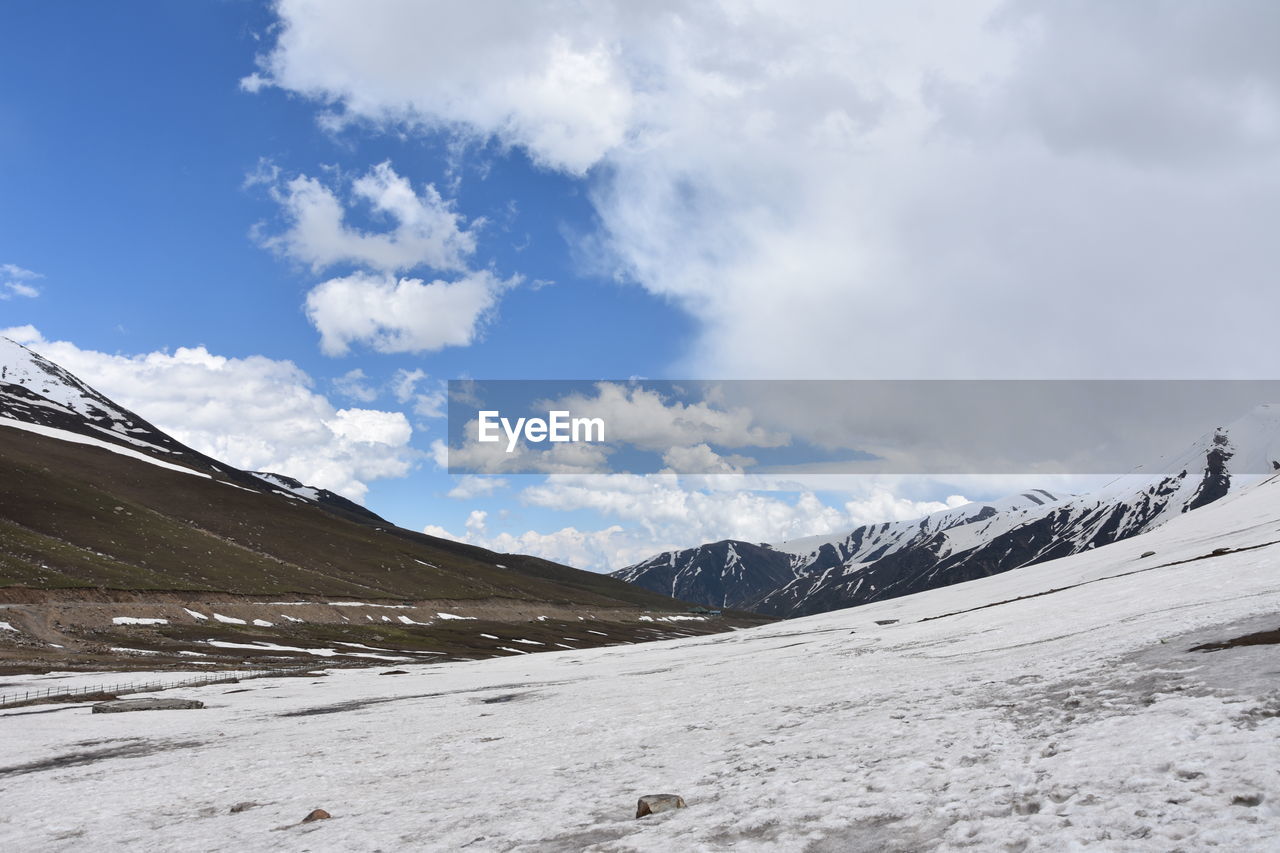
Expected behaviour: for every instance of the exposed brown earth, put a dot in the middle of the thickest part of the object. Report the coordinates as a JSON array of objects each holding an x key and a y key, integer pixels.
[
  {"x": 75, "y": 629},
  {"x": 1260, "y": 638},
  {"x": 79, "y": 517}
]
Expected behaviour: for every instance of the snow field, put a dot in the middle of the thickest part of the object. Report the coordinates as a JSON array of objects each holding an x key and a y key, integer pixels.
[{"x": 1056, "y": 707}]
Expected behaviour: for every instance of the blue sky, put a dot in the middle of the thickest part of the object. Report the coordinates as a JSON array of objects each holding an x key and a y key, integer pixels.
[
  {"x": 980, "y": 190},
  {"x": 129, "y": 141}
]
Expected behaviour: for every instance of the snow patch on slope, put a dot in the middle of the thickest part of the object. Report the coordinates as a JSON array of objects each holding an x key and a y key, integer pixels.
[{"x": 76, "y": 438}]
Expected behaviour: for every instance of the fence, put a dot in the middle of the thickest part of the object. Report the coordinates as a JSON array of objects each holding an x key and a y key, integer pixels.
[{"x": 25, "y": 697}]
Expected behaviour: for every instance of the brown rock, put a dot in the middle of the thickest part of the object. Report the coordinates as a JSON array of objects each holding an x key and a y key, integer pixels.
[
  {"x": 657, "y": 803},
  {"x": 318, "y": 814}
]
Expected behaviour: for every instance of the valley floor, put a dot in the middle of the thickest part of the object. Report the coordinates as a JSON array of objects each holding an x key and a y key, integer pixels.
[{"x": 1057, "y": 707}]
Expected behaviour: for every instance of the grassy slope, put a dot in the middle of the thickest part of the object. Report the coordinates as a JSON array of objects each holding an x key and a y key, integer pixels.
[{"x": 77, "y": 516}]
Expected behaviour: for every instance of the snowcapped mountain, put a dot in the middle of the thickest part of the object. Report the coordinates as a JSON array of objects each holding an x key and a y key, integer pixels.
[
  {"x": 882, "y": 561},
  {"x": 37, "y": 395},
  {"x": 728, "y": 573}
]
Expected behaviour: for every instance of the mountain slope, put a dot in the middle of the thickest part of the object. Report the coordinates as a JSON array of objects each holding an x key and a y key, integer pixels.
[
  {"x": 79, "y": 508},
  {"x": 882, "y": 561},
  {"x": 99, "y": 506},
  {"x": 740, "y": 574},
  {"x": 38, "y": 395},
  {"x": 728, "y": 573}
]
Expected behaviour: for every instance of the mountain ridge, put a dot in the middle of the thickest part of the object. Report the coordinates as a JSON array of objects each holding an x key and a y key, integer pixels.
[
  {"x": 94, "y": 498},
  {"x": 875, "y": 562},
  {"x": 37, "y": 392}
]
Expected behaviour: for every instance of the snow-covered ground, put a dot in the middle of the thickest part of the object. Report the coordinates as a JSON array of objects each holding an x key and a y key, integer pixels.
[
  {"x": 64, "y": 681},
  {"x": 1076, "y": 718}
]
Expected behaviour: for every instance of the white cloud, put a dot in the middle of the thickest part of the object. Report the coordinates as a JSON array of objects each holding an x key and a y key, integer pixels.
[
  {"x": 374, "y": 305},
  {"x": 473, "y": 486},
  {"x": 570, "y": 546},
  {"x": 16, "y": 281},
  {"x": 977, "y": 188},
  {"x": 701, "y": 459},
  {"x": 254, "y": 413},
  {"x": 27, "y": 335},
  {"x": 13, "y": 271},
  {"x": 405, "y": 385},
  {"x": 1207, "y": 86},
  {"x": 493, "y": 458},
  {"x": 369, "y": 426},
  {"x": 644, "y": 418},
  {"x": 658, "y": 512},
  {"x": 432, "y": 403},
  {"x": 253, "y": 83},
  {"x": 440, "y": 453},
  {"x": 393, "y": 314},
  {"x": 17, "y": 288},
  {"x": 551, "y": 84},
  {"x": 353, "y": 384},
  {"x": 427, "y": 232}
]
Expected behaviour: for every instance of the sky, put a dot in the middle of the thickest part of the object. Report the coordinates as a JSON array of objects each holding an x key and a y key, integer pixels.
[{"x": 276, "y": 229}]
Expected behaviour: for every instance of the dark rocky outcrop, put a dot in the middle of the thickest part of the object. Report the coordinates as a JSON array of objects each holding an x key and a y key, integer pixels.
[
  {"x": 150, "y": 704},
  {"x": 658, "y": 803}
]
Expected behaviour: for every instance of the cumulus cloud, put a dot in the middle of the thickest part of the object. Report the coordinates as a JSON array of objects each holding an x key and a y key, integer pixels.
[
  {"x": 654, "y": 513},
  {"x": 375, "y": 306},
  {"x": 371, "y": 426},
  {"x": 254, "y": 413},
  {"x": 553, "y": 86},
  {"x": 986, "y": 188},
  {"x": 427, "y": 231},
  {"x": 16, "y": 281},
  {"x": 393, "y": 314}
]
